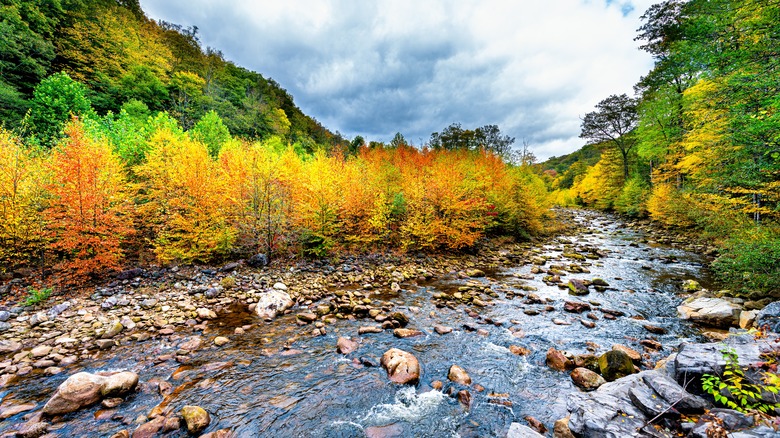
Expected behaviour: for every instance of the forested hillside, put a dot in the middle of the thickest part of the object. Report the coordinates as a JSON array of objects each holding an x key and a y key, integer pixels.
[
  {"x": 126, "y": 142},
  {"x": 125, "y": 61},
  {"x": 699, "y": 145}
]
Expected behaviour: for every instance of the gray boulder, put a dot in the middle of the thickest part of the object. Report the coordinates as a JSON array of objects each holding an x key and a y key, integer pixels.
[
  {"x": 272, "y": 303},
  {"x": 770, "y": 316},
  {"x": 715, "y": 312}
]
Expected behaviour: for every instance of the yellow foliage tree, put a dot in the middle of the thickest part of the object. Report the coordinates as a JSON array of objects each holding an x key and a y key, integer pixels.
[{"x": 187, "y": 203}]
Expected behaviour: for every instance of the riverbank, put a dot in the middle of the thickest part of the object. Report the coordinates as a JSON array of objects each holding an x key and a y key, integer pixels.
[{"x": 193, "y": 337}]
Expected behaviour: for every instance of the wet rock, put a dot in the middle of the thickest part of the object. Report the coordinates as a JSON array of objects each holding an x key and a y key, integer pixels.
[
  {"x": 654, "y": 329},
  {"x": 615, "y": 364},
  {"x": 171, "y": 424},
  {"x": 111, "y": 403},
  {"x": 586, "y": 379},
  {"x": 576, "y": 306},
  {"x": 406, "y": 333},
  {"x": 556, "y": 360},
  {"x": 221, "y": 340},
  {"x": 558, "y": 321},
  {"x": 400, "y": 317},
  {"x": 121, "y": 434},
  {"x": 475, "y": 272},
  {"x": 105, "y": 344},
  {"x": 459, "y": 375},
  {"x": 346, "y": 345},
  {"x": 33, "y": 429},
  {"x": 464, "y": 397},
  {"x": 370, "y": 329},
  {"x": 10, "y": 411},
  {"x": 367, "y": 361},
  {"x": 715, "y": 312},
  {"x": 536, "y": 424},
  {"x": 206, "y": 314},
  {"x": 196, "y": 418},
  {"x": 83, "y": 389},
  {"x": 222, "y": 433},
  {"x": 271, "y": 303},
  {"x": 517, "y": 430},
  {"x": 694, "y": 360},
  {"x": 518, "y": 350},
  {"x": 577, "y": 287},
  {"x": 306, "y": 317},
  {"x": 561, "y": 429},
  {"x": 192, "y": 344},
  {"x": 769, "y": 316},
  {"x": 588, "y": 324},
  {"x": 442, "y": 330},
  {"x": 119, "y": 384},
  {"x": 651, "y": 344},
  {"x": 691, "y": 286},
  {"x": 633, "y": 354},
  {"x": 389, "y": 431},
  {"x": 150, "y": 428},
  {"x": 402, "y": 367}
]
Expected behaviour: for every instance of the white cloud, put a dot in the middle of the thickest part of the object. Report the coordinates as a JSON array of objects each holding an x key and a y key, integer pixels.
[{"x": 373, "y": 68}]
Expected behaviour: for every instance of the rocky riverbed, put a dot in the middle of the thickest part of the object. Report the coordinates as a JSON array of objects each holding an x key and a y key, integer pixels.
[{"x": 322, "y": 348}]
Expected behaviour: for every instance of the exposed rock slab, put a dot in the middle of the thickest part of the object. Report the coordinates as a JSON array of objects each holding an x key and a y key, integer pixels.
[
  {"x": 715, "y": 312},
  {"x": 272, "y": 303}
]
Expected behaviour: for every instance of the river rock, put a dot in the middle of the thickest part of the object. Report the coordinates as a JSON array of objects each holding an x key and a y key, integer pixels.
[
  {"x": 442, "y": 330},
  {"x": 406, "y": 333},
  {"x": 114, "y": 329},
  {"x": 615, "y": 364},
  {"x": 459, "y": 375},
  {"x": 556, "y": 360},
  {"x": 694, "y": 360},
  {"x": 670, "y": 390},
  {"x": 561, "y": 429},
  {"x": 222, "y": 433},
  {"x": 649, "y": 403},
  {"x": 150, "y": 428},
  {"x": 369, "y": 329},
  {"x": 691, "y": 286},
  {"x": 517, "y": 430},
  {"x": 715, "y": 312},
  {"x": 204, "y": 313},
  {"x": 633, "y": 354},
  {"x": 400, "y": 317},
  {"x": 196, "y": 418},
  {"x": 219, "y": 341},
  {"x": 577, "y": 287},
  {"x": 346, "y": 345},
  {"x": 257, "y": 261},
  {"x": 271, "y": 303},
  {"x": 83, "y": 389},
  {"x": 33, "y": 429},
  {"x": 747, "y": 318},
  {"x": 402, "y": 367},
  {"x": 769, "y": 316},
  {"x": 576, "y": 306},
  {"x": 7, "y": 346},
  {"x": 587, "y": 379}
]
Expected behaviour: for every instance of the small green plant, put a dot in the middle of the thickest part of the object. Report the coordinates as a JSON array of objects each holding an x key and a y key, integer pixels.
[
  {"x": 228, "y": 282},
  {"x": 35, "y": 296},
  {"x": 744, "y": 394}
]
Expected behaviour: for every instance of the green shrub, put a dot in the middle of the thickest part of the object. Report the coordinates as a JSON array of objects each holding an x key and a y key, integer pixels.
[
  {"x": 35, "y": 296},
  {"x": 744, "y": 395},
  {"x": 750, "y": 266},
  {"x": 633, "y": 197}
]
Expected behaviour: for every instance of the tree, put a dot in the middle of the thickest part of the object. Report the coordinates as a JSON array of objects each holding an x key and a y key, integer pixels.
[
  {"x": 211, "y": 131},
  {"x": 55, "y": 100},
  {"x": 488, "y": 137},
  {"x": 613, "y": 122},
  {"x": 89, "y": 212},
  {"x": 398, "y": 140}
]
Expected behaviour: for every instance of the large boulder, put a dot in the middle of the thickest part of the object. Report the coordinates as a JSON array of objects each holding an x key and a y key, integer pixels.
[
  {"x": 272, "y": 303},
  {"x": 770, "y": 317},
  {"x": 615, "y": 364},
  {"x": 402, "y": 367},
  {"x": 694, "y": 360},
  {"x": 715, "y": 312},
  {"x": 83, "y": 389}
]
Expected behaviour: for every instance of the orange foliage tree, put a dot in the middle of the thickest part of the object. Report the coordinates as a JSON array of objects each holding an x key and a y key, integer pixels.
[{"x": 89, "y": 211}]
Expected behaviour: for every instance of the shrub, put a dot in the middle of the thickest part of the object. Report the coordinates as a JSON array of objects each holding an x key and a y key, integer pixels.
[
  {"x": 36, "y": 296},
  {"x": 751, "y": 265},
  {"x": 633, "y": 197}
]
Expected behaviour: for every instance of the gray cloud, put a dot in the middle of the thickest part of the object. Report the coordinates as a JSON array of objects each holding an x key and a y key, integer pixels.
[{"x": 375, "y": 68}]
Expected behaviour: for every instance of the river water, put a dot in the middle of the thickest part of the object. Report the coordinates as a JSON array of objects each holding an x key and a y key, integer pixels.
[{"x": 272, "y": 381}]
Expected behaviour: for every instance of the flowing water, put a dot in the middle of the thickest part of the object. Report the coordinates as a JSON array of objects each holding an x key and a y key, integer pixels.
[{"x": 276, "y": 381}]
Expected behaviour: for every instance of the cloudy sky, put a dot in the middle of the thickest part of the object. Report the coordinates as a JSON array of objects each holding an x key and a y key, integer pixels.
[{"x": 377, "y": 67}]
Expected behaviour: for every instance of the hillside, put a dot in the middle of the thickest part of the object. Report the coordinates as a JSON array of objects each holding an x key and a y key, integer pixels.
[{"x": 122, "y": 56}]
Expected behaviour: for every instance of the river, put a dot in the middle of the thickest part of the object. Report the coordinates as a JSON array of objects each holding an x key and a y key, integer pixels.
[{"x": 275, "y": 381}]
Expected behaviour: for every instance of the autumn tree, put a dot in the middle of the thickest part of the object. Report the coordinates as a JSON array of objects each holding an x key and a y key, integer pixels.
[
  {"x": 23, "y": 180},
  {"x": 89, "y": 213},
  {"x": 613, "y": 123}
]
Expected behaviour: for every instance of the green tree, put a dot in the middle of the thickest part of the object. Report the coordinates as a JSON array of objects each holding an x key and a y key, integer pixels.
[
  {"x": 613, "y": 122},
  {"x": 212, "y": 132},
  {"x": 55, "y": 100}
]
